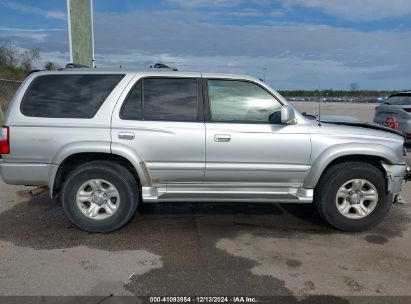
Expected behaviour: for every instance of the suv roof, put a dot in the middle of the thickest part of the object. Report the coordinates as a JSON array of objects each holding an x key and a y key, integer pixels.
[{"x": 151, "y": 72}]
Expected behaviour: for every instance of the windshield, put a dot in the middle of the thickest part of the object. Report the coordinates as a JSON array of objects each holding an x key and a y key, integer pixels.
[{"x": 399, "y": 100}]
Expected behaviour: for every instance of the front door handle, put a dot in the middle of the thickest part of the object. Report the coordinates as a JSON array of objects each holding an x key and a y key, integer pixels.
[
  {"x": 222, "y": 137},
  {"x": 126, "y": 135}
]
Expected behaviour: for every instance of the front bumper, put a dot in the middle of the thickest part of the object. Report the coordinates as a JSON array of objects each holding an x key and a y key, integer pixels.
[{"x": 396, "y": 176}]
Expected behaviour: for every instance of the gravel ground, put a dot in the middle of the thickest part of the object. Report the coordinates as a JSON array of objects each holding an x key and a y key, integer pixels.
[{"x": 206, "y": 249}]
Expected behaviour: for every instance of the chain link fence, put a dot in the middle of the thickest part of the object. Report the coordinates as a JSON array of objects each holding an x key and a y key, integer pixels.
[{"x": 7, "y": 90}]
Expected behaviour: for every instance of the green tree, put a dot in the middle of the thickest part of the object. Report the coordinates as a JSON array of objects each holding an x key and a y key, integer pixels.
[
  {"x": 14, "y": 63},
  {"x": 50, "y": 66}
]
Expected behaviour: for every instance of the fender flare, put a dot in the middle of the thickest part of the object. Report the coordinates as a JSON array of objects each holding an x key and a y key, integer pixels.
[
  {"x": 337, "y": 151},
  {"x": 98, "y": 147}
]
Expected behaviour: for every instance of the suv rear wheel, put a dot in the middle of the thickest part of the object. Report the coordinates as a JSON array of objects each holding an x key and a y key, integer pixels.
[
  {"x": 352, "y": 196},
  {"x": 100, "y": 196}
]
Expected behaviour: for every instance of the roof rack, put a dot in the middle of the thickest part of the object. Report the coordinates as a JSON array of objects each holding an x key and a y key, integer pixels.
[
  {"x": 75, "y": 66},
  {"x": 162, "y": 66}
]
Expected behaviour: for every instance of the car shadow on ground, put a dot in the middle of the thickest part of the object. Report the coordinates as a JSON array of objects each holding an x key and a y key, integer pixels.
[{"x": 185, "y": 237}]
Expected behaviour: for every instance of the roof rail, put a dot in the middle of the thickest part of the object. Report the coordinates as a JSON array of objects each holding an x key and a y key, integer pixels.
[{"x": 32, "y": 71}]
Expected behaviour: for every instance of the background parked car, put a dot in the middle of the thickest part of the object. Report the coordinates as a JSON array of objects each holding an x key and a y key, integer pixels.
[{"x": 396, "y": 111}]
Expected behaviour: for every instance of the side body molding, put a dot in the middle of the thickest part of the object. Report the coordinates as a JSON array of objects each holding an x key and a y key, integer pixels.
[{"x": 321, "y": 161}]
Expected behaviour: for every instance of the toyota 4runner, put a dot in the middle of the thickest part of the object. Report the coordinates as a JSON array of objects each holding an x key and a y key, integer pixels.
[{"x": 107, "y": 140}]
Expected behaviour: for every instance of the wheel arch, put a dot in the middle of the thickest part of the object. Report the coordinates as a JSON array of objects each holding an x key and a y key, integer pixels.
[
  {"x": 375, "y": 155},
  {"x": 75, "y": 160}
]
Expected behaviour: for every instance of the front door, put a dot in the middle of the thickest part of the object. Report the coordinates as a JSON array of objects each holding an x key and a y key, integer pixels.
[{"x": 246, "y": 142}]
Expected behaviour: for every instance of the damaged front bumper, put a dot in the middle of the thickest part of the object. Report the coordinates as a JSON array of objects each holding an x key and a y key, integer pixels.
[{"x": 397, "y": 175}]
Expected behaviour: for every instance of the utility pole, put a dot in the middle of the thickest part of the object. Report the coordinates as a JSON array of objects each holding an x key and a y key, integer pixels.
[{"x": 81, "y": 34}]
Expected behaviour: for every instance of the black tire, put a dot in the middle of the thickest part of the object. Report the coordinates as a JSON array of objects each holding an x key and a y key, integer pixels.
[
  {"x": 119, "y": 177},
  {"x": 335, "y": 177}
]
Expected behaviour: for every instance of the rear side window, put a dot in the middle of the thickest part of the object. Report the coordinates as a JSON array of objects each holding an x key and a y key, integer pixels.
[
  {"x": 162, "y": 99},
  {"x": 170, "y": 99},
  {"x": 68, "y": 96}
]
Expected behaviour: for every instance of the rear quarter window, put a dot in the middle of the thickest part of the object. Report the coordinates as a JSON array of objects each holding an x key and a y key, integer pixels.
[{"x": 68, "y": 96}]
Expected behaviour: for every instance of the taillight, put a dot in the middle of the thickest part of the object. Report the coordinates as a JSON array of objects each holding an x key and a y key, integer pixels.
[
  {"x": 407, "y": 110},
  {"x": 4, "y": 140},
  {"x": 408, "y": 135}
]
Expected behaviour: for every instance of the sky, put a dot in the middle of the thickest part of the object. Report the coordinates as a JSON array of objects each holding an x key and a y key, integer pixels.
[{"x": 298, "y": 44}]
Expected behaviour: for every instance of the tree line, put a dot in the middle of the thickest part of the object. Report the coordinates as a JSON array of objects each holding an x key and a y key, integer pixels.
[
  {"x": 335, "y": 93},
  {"x": 16, "y": 63}
]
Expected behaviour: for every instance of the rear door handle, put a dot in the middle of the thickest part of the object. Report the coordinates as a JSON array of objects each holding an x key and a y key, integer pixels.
[
  {"x": 222, "y": 137},
  {"x": 126, "y": 135}
]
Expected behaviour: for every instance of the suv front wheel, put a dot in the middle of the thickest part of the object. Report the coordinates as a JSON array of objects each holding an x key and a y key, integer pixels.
[
  {"x": 100, "y": 196},
  {"x": 352, "y": 196}
]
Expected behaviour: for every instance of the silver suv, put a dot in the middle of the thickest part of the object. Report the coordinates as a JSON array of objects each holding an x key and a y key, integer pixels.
[{"x": 108, "y": 140}]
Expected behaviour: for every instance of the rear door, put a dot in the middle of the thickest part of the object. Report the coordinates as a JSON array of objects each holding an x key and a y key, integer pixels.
[
  {"x": 161, "y": 121},
  {"x": 244, "y": 145}
]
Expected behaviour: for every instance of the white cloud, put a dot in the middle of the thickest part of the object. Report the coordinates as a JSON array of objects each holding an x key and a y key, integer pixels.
[
  {"x": 206, "y": 3},
  {"x": 10, "y": 29},
  {"x": 257, "y": 13},
  {"x": 276, "y": 13},
  {"x": 248, "y": 13},
  {"x": 32, "y": 10},
  {"x": 34, "y": 35},
  {"x": 357, "y": 10},
  {"x": 283, "y": 72},
  {"x": 354, "y": 10},
  {"x": 297, "y": 56},
  {"x": 161, "y": 33}
]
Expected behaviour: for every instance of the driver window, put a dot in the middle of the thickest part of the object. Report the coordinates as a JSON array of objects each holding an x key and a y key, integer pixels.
[{"x": 241, "y": 101}]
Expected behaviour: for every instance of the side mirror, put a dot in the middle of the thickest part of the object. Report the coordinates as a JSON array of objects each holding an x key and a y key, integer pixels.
[{"x": 287, "y": 115}]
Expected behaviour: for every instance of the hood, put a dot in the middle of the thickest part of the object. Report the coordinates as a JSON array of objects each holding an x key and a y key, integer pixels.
[
  {"x": 338, "y": 118},
  {"x": 354, "y": 122}
]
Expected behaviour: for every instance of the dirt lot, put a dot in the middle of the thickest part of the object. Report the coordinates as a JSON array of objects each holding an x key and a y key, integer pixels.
[{"x": 207, "y": 249}]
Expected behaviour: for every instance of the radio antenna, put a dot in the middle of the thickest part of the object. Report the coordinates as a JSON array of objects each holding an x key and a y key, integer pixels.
[
  {"x": 319, "y": 113},
  {"x": 319, "y": 109}
]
